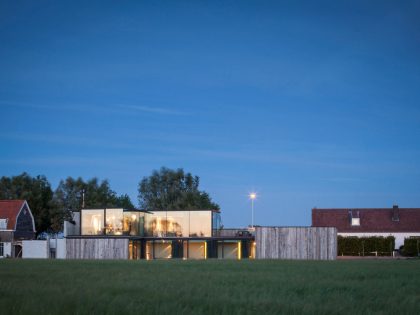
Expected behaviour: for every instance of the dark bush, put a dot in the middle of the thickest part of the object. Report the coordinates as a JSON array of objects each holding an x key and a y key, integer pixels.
[
  {"x": 365, "y": 246},
  {"x": 411, "y": 247}
]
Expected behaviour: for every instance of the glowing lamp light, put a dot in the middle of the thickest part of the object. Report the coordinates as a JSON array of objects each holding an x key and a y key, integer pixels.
[{"x": 252, "y": 196}]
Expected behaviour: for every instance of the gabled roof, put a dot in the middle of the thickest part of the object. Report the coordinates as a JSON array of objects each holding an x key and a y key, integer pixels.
[
  {"x": 371, "y": 219},
  {"x": 10, "y": 209}
]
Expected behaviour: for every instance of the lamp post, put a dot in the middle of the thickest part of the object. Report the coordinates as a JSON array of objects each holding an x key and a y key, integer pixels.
[{"x": 252, "y": 196}]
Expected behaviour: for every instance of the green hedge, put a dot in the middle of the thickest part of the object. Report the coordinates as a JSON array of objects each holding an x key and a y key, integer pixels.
[
  {"x": 365, "y": 246},
  {"x": 411, "y": 247}
]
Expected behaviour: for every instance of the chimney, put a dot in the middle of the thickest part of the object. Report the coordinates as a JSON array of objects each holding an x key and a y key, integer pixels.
[{"x": 395, "y": 213}]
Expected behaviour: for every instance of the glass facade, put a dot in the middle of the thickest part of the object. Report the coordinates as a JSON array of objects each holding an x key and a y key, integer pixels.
[
  {"x": 93, "y": 222},
  {"x": 178, "y": 224},
  {"x": 200, "y": 223},
  {"x": 189, "y": 234},
  {"x": 134, "y": 250},
  {"x": 133, "y": 223},
  {"x": 114, "y": 221},
  {"x": 162, "y": 250},
  {"x": 229, "y": 249},
  {"x": 217, "y": 223},
  {"x": 197, "y": 250}
]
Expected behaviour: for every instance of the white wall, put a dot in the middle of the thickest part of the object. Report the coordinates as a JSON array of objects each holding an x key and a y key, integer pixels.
[
  {"x": 399, "y": 237},
  {"x": 60, "y": 252},
  {"x": 72, "y": 229},
  {"x": 35, "y": 249},
  {"x": 7, "y": 250}
]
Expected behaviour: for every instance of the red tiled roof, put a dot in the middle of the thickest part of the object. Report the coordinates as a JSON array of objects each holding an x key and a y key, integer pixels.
[
  {"x": 371, "y": 219},
  {"x": 9, "y": 209}
]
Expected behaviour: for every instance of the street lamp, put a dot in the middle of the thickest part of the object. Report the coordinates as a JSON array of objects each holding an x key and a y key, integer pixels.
[{"x": 252, "y": 196}]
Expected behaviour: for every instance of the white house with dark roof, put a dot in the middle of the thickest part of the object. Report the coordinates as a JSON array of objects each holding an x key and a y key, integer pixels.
[{"x": 366, "y": 222}]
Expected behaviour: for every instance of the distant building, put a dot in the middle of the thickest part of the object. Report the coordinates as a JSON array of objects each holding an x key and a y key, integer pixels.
[
  {"x": 364, "y": 222},
  {"x": 16, "y": 224}
]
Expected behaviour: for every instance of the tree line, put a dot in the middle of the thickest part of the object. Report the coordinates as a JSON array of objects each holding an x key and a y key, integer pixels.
[{"x": 163, "y": 189}]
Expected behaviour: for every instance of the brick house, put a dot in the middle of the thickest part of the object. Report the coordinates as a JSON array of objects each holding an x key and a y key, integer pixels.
[
  {"x": 364, "y": 222},
  {"x": 16, "y": 224}
]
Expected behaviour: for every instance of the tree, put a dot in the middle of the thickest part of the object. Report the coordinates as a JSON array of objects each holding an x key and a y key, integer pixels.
[
  {"x": 69, "y": 195},
  {"x": 124, "y": 201},
  {"x": 173, "y": 189},
  {"x": 37, "y": 191},
  {"x": 50, "y": 209}
]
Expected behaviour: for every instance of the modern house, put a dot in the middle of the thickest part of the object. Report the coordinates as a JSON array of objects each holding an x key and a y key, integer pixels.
[
  {"x": 364, "y": 222},
  {"x": 188, "y": 234},
  {"x": 16, "y": 225}
]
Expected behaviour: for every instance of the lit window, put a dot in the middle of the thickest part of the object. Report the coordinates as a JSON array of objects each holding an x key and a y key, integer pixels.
[{"x": 355, "y": 221}]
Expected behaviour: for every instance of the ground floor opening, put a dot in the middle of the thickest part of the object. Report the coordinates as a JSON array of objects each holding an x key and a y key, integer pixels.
[{"x": 191, "y": 249}]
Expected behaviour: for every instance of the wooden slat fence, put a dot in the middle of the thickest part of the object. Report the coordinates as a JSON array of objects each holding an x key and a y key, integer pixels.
[
  {"x": 97, "y": 248},
  {"x": 310, "y": 243}
]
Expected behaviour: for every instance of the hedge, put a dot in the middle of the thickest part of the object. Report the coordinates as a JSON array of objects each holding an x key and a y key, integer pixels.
[
  {"x": 365, "y": 246},
  {"x": 411, "y": 247}
]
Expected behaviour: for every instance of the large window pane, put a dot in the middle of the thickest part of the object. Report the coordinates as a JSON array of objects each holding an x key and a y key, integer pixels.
[
  {"x": 133, "y": 223},
  {"x": 163, "y": 250},
  {"x": 200, "y": 223},
  {"x": 114, "y": 221},
  {"x": 177, "y": 223},
  {"x": 229, "y": 249},
  {"x": 157, "y": 224},
  {"x": 134, "y": 250},
  {"x": 197, "y": 250},
  {"x": 92, "y": 222},
  {"x": 217, "y": 223}
]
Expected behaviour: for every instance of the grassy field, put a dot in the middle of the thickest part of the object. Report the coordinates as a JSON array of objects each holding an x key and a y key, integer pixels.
[{"x": 209, "y": 287}]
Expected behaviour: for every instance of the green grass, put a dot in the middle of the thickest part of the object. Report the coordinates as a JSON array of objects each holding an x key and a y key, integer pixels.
[{"x": 209, "y": 287}]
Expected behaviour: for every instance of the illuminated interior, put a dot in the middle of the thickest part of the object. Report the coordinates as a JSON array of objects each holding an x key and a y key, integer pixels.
[
  {"x": 114, "y": 221},
  {"x": 197, "y": 250},
  {"x": 179, "y": 224},
  {"x": 189, "y": 234},
  {"x": 92, "y": 222},
  {"x": 229, "y": 249},
  {"x": 163, "y": 249}
]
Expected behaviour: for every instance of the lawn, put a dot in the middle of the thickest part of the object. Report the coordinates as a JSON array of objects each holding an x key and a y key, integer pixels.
[{"x": 209, "y": 287}]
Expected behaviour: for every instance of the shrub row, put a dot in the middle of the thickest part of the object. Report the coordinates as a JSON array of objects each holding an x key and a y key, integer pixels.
[
  {"x": 411, "y": 247},
  {"x": 365, "y": 246}
]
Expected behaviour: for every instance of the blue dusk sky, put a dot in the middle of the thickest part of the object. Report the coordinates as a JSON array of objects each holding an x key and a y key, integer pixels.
[{"x": 310, "y": 104}]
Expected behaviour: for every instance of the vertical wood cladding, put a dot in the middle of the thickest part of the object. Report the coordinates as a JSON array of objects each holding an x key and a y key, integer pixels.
[
  {"x": 303, "y": 243},
  {"x": 97, "y": 248}
]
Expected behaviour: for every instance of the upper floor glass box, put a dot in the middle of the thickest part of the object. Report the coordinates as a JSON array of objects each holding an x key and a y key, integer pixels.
[{"x": 179, "y": 223}]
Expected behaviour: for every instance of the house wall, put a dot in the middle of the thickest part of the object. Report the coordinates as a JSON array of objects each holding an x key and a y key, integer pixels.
[
  {"x": 303, "y": 243},
  {"x": 6, "y": 236},
  {"x": 60, "y": 251},
  {"x": 399, "y": 237},
  {"x": 72, "y": 228},
  {"x": 24, "y": 225},
  {"x": 97, "y": 248},
  {"x": 7, "y": 250},
  {"x": 35, "y": 249}
]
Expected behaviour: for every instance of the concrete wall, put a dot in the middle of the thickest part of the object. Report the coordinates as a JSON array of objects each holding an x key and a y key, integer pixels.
[
  {"x": 96, "y": 248},
  {"x": 399, "y": 237},
  {"x": 302, "y": 243},
  {"x": 35, "y": 249}
]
